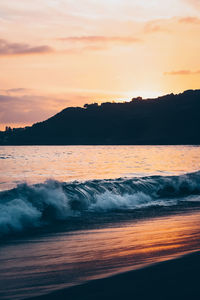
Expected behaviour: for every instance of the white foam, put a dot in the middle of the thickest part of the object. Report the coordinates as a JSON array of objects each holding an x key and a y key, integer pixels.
[{"x": 109, "y": 201}]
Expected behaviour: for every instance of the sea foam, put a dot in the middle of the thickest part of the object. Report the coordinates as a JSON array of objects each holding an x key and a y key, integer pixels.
[{"x": 33, "y": 206}]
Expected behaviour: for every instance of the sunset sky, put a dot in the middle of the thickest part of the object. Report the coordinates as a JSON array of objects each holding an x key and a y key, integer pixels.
[{"x": 59, "y": 53}]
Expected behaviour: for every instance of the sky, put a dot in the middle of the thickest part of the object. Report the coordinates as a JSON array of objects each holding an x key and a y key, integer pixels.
[{"x": 60, "y": 53}]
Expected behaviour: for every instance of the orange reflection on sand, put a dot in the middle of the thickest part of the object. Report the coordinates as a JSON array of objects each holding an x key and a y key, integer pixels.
[
  {"x": 151, "y": 240},
  {"x": 75, "y": 257}
]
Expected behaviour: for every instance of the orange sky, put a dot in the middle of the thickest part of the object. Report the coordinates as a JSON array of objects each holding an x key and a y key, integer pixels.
[{"x": 59, "y": 53}]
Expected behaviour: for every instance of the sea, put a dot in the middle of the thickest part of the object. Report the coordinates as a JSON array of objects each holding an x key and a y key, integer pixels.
[{"x": 72, "y": 214}]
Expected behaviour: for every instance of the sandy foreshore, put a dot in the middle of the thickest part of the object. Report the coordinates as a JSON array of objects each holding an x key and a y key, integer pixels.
[{"x": 171, "y": 279}]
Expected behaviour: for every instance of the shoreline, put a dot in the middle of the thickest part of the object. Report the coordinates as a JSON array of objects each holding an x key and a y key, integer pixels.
[{"x": 171, "y": 279}]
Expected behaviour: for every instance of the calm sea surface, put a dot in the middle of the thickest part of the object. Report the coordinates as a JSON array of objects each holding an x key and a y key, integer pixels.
[
  {"x": 67, "y": 163},
  {"x": 70, "y": 214}
]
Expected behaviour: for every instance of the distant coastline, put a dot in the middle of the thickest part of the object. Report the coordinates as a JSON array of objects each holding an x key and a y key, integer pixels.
[{"x": 167, "y": 120}]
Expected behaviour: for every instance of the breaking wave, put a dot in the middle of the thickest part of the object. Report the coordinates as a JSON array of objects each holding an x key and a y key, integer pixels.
[{"x": 34, "y": 206}]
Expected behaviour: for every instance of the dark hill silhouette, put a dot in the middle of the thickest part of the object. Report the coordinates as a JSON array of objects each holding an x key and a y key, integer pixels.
[{"x": 171, "y": 119}]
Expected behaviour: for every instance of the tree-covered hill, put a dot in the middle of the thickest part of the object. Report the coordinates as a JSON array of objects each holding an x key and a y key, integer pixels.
[{"x": 171, "y": 119}]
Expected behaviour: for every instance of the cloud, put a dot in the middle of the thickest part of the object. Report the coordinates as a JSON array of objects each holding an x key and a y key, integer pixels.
[
  {"x": 94, "y": 39},
  {"x": 7, "y": 48},
  {"x": 28, "y": 108},
  {"x": 17, "y": 90},
  {"x": 79, "y": 44},
  {"x": 183, "y": 72},
  {"x": 190, "y": 20},
  {"x": 154, "y": 27}
]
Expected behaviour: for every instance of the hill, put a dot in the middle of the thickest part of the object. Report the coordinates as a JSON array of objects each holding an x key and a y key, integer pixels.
[{"x": 170, "y": 119}]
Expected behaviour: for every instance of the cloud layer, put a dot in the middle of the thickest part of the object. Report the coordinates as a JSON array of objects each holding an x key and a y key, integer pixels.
[
  {"x": 190, "y": 20},
  {"x": 183, "y": 72},
  {"x": 7, "y": 48},
  {"x": 27, "y": 108},
  {"x": 96, "y": 39}
]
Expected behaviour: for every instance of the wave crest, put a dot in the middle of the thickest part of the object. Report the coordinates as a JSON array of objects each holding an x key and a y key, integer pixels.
[{"x": 31, "y": 206}]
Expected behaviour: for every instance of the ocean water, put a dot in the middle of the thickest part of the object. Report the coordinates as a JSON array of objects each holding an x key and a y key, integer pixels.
[{"x": 70, "y": 214}]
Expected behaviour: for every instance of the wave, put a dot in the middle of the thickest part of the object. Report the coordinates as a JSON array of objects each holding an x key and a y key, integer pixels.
[{"x": 34, "y": 206}]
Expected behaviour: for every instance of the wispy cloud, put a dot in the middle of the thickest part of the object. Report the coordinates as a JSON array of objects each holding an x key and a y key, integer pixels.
[
  {"x": 28, "y": 108},
  {"x": 99, "y": 39},
  {"x": 17, "y": 91},
  {"x": 183, "y": 72},
  {"x": 7, "y": 48},
  {"x": 190, "y": 20},
  {"x": 155, "y": 27},
  {"x": 79, "y": 44}
]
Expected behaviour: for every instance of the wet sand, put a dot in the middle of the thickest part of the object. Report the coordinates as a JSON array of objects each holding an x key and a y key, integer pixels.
[
  {"x": 56, "y": 262},
  {"x": 172, "y": 279}
]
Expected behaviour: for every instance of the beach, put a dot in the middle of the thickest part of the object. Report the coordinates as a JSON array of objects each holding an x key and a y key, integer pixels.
[
  {"x": 93, "y": 222},
  {"x": 173, "y": 279}
]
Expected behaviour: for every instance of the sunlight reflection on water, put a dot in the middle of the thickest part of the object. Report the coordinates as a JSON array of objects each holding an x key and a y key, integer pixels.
[{"x": 67, "y": 163}]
